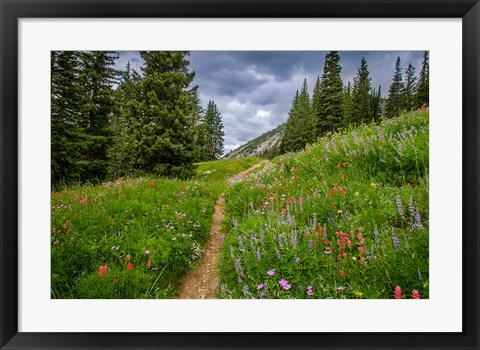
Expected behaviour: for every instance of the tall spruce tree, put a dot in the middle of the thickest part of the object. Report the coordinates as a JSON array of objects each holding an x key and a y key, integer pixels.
[
  {"x": 317, "y": 104},
  {"x": 423, "y": 82},
  {"x": 160, "y": 127},
  {"x": 127, "y": 95},
  {"x": 329, "y": 109},
  {"x": 197, "y": 115},
  {"x": 291, "y": 125},
  {"x": 215, "y": 134},
  {"x": 395, "y": 102},
  {"x": 409, "y": 94},
  {"x": 376, "y": 103},
  {"x": 362, "y": 109},
  {"x": 301, "y": 123},
  {"x": 97, "y": 77},
  {"x": 66, "y": 131},
  {"x": 347, "y": 105}
]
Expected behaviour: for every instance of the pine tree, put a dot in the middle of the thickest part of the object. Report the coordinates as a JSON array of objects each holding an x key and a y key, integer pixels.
[
  {"x": 376, "y": 103},
  {"x": 287, "y": 144},
  {"x": 197, "y": 115},
  {"x": 422, "y": 96},
  {"x": 317, "y": 105},
  {"x": 330, "y": 101},
  {"x": 65, "y": 116},
  {"x": 395, "y": 102},
  {"x": 409, "y": 94},
  {"x": 126, "y": 97},
  {"x": 301, "y": 123},
  {"x": 362, "y": 110},
  {"x": 215, "y": 134},
  {"x": 160, "y": 127},
  {"x": 347, "y": 105},
  {"x": 97, "y": 77}
]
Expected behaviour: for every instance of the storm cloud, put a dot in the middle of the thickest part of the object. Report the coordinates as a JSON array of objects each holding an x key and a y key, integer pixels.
[{"x": 254, "y": 89}]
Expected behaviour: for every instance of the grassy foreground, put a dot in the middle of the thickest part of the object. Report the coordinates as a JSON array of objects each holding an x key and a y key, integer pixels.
[
  {"x": 133, "y": 238},
  {"x": 347, "y": 218}
]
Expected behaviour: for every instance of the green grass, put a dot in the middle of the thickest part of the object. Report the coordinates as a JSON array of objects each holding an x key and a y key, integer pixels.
[
  {"x": 221, "y": 170},
  {"x": 158, "y": 226},
  {"x": 347, "y": 218}
]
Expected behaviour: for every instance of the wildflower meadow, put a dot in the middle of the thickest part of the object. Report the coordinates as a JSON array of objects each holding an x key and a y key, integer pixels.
[{"x": 346, "y": 218}]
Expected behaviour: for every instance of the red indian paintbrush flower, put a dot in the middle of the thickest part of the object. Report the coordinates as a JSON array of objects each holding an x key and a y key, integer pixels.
[
  {"x": 129, "y": 266},
  {"x": 415, "y": 294},
  {"x": 398, "y": 293},
  {"x": 102, "y": 270}
]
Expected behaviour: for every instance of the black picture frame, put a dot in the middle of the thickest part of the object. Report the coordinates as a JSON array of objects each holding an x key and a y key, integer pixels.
[{"x": 12, "y": 11}]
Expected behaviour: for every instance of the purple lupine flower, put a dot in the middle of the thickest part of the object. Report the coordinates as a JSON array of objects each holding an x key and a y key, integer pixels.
[
  {"x": 375, "y": 236},
  {"x": 241, "y": 247},
  {"x": 411, "y": 207},
  {"x": 259, "y": 255},
  {"x": 399, "y": 207},
  {"x": 245, "y": 290},
  {"x": 279, "y": 256},
  {"x": 293, "y": 239},
  {"x": 238, "y": 268},
  {"x": 310, "y": 243},
  {"x": 280, "y": 240},
  {"x": 418, "y": 220},
  {"x": 262, "y": 236},
  {"x": 297, "y": 260},
  {"x": 309, "y": 291},
  {"x": 330, "y": 217},
  {"x": 262, "y": 296},
  {"x": 284, "y": 284},
  {"x": 395, "y": 240},
  {"x": 271, "y": 272}
]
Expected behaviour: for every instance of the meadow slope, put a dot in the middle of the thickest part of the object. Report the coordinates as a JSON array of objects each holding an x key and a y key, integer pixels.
[{"x": 347, "y": 218}]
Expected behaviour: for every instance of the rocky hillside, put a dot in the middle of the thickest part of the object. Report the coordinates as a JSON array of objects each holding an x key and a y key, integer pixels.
[{"x": 265, "y": 146}]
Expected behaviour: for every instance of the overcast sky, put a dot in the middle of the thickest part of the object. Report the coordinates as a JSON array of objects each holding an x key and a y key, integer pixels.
[{"x": 254, "y": 89}]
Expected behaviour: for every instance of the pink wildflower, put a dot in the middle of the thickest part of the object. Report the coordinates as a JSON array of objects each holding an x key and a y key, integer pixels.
[
  {"x": 398, "y": 293},
  {"x": 102, "y": 270},
  {"x": 129, "y": 266},
  {"x": 271, "y": 272},
  {"x": 415, "y": 294}
]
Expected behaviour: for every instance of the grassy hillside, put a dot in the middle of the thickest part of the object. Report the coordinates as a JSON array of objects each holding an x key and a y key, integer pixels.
[
  {"x": 133, "y": 238},
  {"x": 265, "y": 145},
  {"x": 347, "y": 218}
]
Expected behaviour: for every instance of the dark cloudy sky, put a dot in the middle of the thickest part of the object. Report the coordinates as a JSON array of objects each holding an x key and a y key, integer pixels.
[{"x": 254, "y": 89}]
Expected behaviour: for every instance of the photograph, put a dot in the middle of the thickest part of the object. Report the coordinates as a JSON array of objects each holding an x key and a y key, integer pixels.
[{"x": 239, "y": 174}]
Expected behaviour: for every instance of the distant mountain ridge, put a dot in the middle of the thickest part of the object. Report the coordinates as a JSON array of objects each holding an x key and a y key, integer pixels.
[{"x": 266, "y": 145}]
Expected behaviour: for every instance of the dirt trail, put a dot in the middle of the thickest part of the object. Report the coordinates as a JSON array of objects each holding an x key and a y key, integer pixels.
[{"x": 201, "y": 282}]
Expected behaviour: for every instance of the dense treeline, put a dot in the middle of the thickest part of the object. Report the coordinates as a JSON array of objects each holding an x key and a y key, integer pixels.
[
  {"x": 107, "y": 123},
  {"x": 334, "y": 105}
]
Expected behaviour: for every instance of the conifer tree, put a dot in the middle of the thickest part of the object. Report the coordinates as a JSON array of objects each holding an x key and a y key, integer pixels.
[
  {"x": 160, "y": 126},
  {"x": 287, "y": 144},
  {"x": 317, "y": 104},
  {"x": 423, "y": 82},
  {"x": 301, "y": 123},
  {"x": 126, "y": 97},
  {"x": 66, "y": 131},
  {"x": 197, "y": 115},
  {"x": 215, "y": 134},
  {"x": 376, "y": 103},
  {"x": 329, "y": 107},
  {"x": 97, "y": 77},
  {"x": 395, "y": 102},
  {"x": 409, "y": 94},
  {"x": 362, "y": 109},
  {"x": 347, "y": 105}
]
